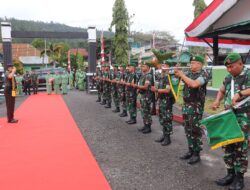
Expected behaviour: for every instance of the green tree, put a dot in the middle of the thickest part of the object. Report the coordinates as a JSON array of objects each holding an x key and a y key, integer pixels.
[
  {"x": 199, "y": 7},
  {"x": 38, "y": 43},
  {"x": 121, "y": 22}
]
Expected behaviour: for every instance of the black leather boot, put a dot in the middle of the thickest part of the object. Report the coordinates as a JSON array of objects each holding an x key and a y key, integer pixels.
[
  {"x": 103, "y": 102},
  {"x": 238, "y": 182},
  {"x": 187, "y": 155},
  {"x": 116, "y": 110},
  {"x": 166, "y": 140},
  {"x": 124, "y": 114},
  {"x": 147, "y": 129},
  {"x": 195, "y": 158},
  {"x": 160, "y": 139},
  {"x": 141, "y": 129},
  {"x": 132, "y": 121},
  {"x": 108, "y": 105},
  {"x": 228, "y": 179}
]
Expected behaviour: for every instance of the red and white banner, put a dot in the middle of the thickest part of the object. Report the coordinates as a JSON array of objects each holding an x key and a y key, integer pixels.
[
  {"x": 223, "y": 43},
  {"x": 102, "y": 49}
]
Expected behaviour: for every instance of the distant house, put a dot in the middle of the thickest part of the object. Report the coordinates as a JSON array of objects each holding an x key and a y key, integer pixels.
[
  {"x": 33, "y": 62},
  {"x": 22, "y": 49},
  {"x": 83, "y": 52}
]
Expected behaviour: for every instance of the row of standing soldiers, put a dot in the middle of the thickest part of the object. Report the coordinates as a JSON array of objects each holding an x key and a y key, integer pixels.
[{"x": 126, "y": 87}]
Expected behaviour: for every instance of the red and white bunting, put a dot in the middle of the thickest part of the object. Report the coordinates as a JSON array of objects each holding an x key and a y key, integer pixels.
[{"x": 102, "y": 49}]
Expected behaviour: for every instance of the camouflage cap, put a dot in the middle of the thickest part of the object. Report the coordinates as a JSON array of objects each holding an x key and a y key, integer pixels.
[
  {"x": 132, "y": 64},
  {"x": 231, "y": 58}
]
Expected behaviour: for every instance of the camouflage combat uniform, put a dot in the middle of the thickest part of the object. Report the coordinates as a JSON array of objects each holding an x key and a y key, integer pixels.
[
  {"x": 114, "y": 89},
  {"x": 235, "y": 156},
  {"x": 107, "y": 89},
  {"x": 98, "y": 85},
  {"x": 131, "y": 96},
  {"x": 192, "y": 110},
  {"x": 121, "y": 90}
]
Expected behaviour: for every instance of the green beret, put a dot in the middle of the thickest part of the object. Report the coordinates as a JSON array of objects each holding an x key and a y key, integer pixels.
[
  {"x": 147, "y": 63},
  {"x": 132, "y": 64},
  {"x": 198, "y": 58},
  {"x": 123, "y": 65},
  {"x": 116, "y": 65},
  {"x": 231, "y": 58}
]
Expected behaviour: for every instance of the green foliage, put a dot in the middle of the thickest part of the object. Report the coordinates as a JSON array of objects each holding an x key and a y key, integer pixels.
[
  {"x": 200, "y": 6},
  {"x": 121, "y": 22},
  {"x": 38, "y": 43}
]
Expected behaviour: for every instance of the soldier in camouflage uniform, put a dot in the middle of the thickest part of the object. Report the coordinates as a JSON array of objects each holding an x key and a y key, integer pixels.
[
  {"x": 166, "y": 101},
  {"x": 107, "y": 86},
  {"x": 98, "y": 87},
  {"x": 114, "y": 89},
  {"x": 121, "y": 90},
  {"x": 194, "y": 92},
  {"x": 144, "y": 89},
  {"x": 65, "y": 81},
  {"x": 102, "y": 85},
  {"x": 131, "y": 93},
  {"x": 236, "y": 87}
]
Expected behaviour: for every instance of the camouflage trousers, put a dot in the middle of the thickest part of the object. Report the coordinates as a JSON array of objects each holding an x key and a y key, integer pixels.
[
  {"x": 99, "y": 94},
  {"x": 146, "y": 109},
  {"x": 122, "y": 98},
  {"x": 115, "y": 97},
  {"x": 107, "y": 93},
  {"x": 131, "y": 103},
  {"x": 166, "y": 116},
  {"x": 235, "y": 155},
  {"x": 193, "y": 131}
]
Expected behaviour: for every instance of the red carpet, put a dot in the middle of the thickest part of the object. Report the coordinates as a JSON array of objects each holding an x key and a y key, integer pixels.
[{"x": 45, "y": 150}]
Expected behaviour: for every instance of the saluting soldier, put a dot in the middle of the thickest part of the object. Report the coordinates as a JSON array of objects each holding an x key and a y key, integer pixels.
[
  {"x": 144, "y": 89},
  {"x": 194, "y": 92},
  {"x": 114, "y": 89},
  {"x": 131, "y": 93},
  {"x": 236, "y": 87},
  {"x": 166, "y": 102}
]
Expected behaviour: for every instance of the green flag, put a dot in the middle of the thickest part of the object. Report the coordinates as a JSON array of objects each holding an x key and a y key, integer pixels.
[{"x": 222, "y": 129}]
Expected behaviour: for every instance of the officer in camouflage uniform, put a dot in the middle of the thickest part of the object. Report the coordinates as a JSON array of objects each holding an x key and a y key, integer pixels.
[
  {"x": 49, "y": 79},
  {"x": 114, "y": 89},
  {"x": 194, "y": 92},
  {"x": 144, "y": 88},
  {"x": 102, "y": 85},
  {"x": 57, "y": 83},
  {"x": 65, "y": 81},
  {"x": 97, "y": 79},
  {"x": 107, "y": 86},
  {"x": 131, "y": 93},
  {"x": 34, "y": 82},
  {"x": 121, "y": 89},
  {"x": 166, "y": 101},
  {"x": 236, "y": 87}
]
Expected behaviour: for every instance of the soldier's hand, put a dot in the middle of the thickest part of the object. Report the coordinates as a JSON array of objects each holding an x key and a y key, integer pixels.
[
  {"x": 153, "y": 88},
  {"x": 215, "y": 105},
  {"x": 235, "y": 99}
]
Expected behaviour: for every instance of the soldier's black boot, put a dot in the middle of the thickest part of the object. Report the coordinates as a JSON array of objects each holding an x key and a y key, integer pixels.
[
  {"x": 108, "y": 105},
  {"x": 103, "y": 102},
  {"x": 195, "y": 158},
  {"x": 160, "y": 139},
  {"x": 187, "y": 155},
  {"x": 228, "y": 179},
  {"x": 132, "y": 121},
  {"x": 124, "y": 114},
  {"x": 98, "y": 100},
  {"x": 238, "y": 182},
  {"x": 116, "y": 110},
  {"x": 141, "y": 129},
  {"x": 147, "y": 129},
  {"x": 166, "y": 141}
]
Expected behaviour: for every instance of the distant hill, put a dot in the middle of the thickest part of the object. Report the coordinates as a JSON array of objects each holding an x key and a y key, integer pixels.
[{"x": 29, "y": 25}]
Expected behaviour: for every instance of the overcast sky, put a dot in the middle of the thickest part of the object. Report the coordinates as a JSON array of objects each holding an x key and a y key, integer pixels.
[{"x": 166, "y": 15}]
